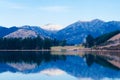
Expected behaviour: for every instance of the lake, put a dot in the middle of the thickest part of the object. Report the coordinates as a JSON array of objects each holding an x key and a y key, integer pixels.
[{"x": 59, "y": 65}]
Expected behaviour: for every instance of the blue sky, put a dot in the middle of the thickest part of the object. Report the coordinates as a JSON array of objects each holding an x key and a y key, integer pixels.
[{"x": 62, "y": 12}]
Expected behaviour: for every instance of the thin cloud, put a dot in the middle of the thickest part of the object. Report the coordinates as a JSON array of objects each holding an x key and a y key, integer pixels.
[
  {"x": 13, "y": 5},
  {"x": 10, "y": 5},
  {"x": 54, "y": 8},
  {"x": 17, "y": 7}
]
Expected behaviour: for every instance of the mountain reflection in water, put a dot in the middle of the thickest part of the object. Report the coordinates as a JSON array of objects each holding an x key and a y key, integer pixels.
[{"x": 94, "y": 65}]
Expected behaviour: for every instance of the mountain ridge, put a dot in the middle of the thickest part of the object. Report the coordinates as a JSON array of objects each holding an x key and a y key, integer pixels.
[{"x": 74, "y": 33}]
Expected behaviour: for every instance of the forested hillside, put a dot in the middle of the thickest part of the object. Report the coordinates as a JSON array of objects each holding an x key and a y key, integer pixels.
[{"x": 100, "y": 40}]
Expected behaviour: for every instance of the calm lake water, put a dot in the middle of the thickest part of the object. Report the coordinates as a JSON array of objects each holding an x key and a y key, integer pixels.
[{"x": 59, "y": 66}]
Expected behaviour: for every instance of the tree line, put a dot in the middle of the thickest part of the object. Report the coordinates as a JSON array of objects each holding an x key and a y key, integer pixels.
[{"x": 29, "y": 43}]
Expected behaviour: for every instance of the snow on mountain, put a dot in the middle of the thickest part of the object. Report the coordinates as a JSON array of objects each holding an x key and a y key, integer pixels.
[
  {"x": 22, "y": 33},
  {"x": 52, "y": 27}
]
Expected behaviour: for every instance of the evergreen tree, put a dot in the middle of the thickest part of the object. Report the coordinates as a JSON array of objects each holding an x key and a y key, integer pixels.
[
  {"x": 89, "y": 41},
  {"x": 62, "y": 43}
]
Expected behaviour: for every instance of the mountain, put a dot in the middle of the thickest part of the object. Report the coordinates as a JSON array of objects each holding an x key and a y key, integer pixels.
[
  {"x": 52, "y": 27},
  {"x": 77, "y": 32},
  {"x": 29, "y": 31},
  {"x": 5, "y": 31},
  {"x": 22, "y": 33},
  {"x": 39, "y": 31}
]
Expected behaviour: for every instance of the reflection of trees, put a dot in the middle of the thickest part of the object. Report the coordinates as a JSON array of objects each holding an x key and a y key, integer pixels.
[
  {"x": 103, "y": 60},
  {"x": 29, "y": 57},
  {"x": 89, "y": 59}
]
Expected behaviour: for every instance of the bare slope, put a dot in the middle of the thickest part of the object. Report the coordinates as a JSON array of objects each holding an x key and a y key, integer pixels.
[{"x": 22, "y": 33}]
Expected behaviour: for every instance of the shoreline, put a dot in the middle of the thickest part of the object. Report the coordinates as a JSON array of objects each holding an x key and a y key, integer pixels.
[
  {"x": 25, "y": 50},
  {"x": 79, "y": 50}
]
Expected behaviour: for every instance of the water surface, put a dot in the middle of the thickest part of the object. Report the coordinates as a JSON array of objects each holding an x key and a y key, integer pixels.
[{"x": 59, "y": 66}]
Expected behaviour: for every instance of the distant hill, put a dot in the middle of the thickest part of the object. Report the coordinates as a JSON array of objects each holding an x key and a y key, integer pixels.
[
  {"x": 116, "y": 37},
  {"x": 113, "y": 43},
  {"x": 110, "y": 41},
  {"x": 101, "y": 40}
]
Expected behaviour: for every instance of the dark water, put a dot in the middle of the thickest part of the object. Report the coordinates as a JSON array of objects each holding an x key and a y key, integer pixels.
[{"x": 59, "y": 66}]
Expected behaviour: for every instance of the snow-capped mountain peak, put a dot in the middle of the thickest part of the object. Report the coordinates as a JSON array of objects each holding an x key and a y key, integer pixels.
[{"x": 52, "y": 27}]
